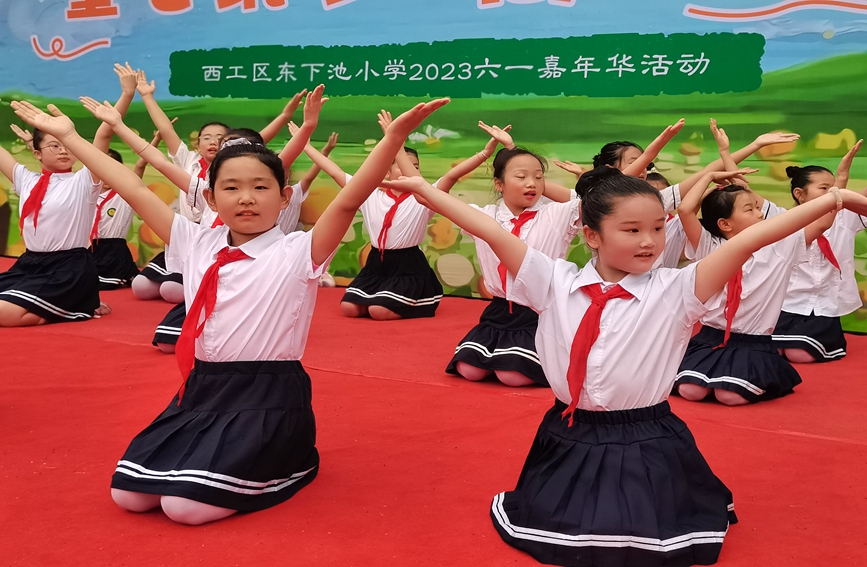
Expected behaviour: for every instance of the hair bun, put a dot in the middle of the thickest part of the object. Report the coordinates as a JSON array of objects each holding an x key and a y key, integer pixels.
[
  {"x": 591, "y": 179},
  {"x": 792, "y": 171}
]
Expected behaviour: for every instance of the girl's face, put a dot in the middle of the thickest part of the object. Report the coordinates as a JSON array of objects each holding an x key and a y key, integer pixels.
[
  {"x": 631, "y": 238},
  {"x": 819, "y": 184},
  {"x": 53, "y": 155},
  {"x": 628, "y": 155},
  {"x": 210, "y": 140},
  {"x": 745, "y": 213},
  {"x": 247, "y": 197},
  {"x": 523, "y": 182}
]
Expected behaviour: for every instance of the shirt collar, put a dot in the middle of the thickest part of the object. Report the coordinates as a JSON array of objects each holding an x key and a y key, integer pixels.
[
  {"x": 505, "y": 215},
  {"x": 636, "y": 284},
  {"x": 260, "y": 244}
]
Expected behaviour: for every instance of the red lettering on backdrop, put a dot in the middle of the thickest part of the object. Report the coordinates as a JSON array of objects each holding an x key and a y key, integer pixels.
[
  {"x": 171, "y": 7},
  {"x": 92, "y": 10},
  {"x": 331, "y": 4},
  {"x": 250, "y": 5}
]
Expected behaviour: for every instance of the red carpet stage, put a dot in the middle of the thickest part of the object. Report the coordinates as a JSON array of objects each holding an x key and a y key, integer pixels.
[{"x": 411, "y": 457}]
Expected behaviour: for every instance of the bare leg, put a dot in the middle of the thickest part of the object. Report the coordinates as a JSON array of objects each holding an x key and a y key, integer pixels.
[
  {"x": 173, "y": 292},
  {"x": 729, "y": 398},
  {"x": 512, "y": 378},
  {"x": 145, "y": 289},
  {"x": 472, "y": 373},
  {"x": 12, "y": 315},
  {"x": 797, "y": 355},
  {"x": 166, "y": 348},
  {"x": 693, "y": 392},
  {"x": 190, "y": 512},
  {"x": 135, "y": 501},
  {"x": 353, "y": 310},
  {"x": 382, "y": 314}
]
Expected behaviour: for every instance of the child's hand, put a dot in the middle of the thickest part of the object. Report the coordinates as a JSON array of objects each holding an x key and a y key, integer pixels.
[
  {"x": 671, "y": 131},
  {"x": 105, "y": 111},
  {"x": 776, "y": 138},
  {"x": 403, "y": 125},
  {"x": 128, "y": 78},
  {"x": 142, "y": 86},
  {"x": 313, "y": 106},
  {"x": 722, "y": 140},
  {"x": 384, "y": 119},
  {"x": 293, "y": 128},
  {"x": 501, "y": 135},
  {"x": 293, "y": 104},
  {"x": 738, "y": 175},
  {"x": 415, "y": 184},
  {"x": 330, "y": 144},
  {"x": 57, "y": 124},
  {"x": 24, "y": 135},
  {"x": 572, "y": 168},
  {"x": 845, "y": 163}
]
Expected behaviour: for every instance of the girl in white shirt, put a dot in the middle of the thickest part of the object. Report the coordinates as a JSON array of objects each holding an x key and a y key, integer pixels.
[
  {"x": 822, "y": 289},
  {"x": 733, "y": 355},
  {"x": 240, "y": 434},
  {"x": 613, "y": 477},
  {"x": 111, "y": 253}
]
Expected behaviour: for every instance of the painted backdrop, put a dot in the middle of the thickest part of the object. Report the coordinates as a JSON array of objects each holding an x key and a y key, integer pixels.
[{"x": 568, "y": 75}]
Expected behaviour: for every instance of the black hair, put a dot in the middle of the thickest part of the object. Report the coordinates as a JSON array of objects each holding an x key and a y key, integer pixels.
[
  {"x": 598, "y": 189},
  {"x": 653, "y": 176},
  {"x": 411, "y": 151},
  {"x": 610, "y": 153},
  {"x": 247, "y": 133},
  {"x": 258, "y": 151},
  {"x": 212, "y": 124},
  {"x": 505, "y": 155},
  {"x": 800, "y": 176},
  {"x": 37, "y": 138},
  {"x": 115, "y": 155},
  {"x": 718, "y": 205}
]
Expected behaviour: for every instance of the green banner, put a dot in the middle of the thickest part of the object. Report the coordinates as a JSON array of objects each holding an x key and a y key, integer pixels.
[{"x": 613, "y": 65}]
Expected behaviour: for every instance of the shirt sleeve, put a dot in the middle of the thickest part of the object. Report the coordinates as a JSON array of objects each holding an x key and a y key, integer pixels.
[
  {"x": 184, "y": 234},
  {"x": 532, "y": 285},
  {"x": 679, "y": 294},
  {"x": 185, "y": 159},
  {"x": 24, "y": 179},
  {"x": 565, "y": 218},
  {"x": 852, "y": 221},
  {"x": 83, "y": 181},
  {"x": 670, "y": 197},
  {"x": 297, "y": 247},
  {"x": 771, "y": 209},
  {"x": 195, "y": 198},
  {"x": 706, "y": 244}
]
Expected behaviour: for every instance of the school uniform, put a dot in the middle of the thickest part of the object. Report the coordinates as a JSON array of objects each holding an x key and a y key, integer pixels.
[
  {"x": 749, "y": 363},
  {"x": 111, "y": 253},
  {"x": 56, "y": 277},
  {"x": 397, "y": 274},
  {"x": 675, "y": 241},
  {"x": 505, "y": 338},
  {"x": 241, "y": 432},
  {"x": 625, "y": 484},
  {"x": 820, "y": 293}
]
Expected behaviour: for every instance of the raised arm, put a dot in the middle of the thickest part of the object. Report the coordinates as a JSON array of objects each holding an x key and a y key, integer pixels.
[
  {"x": 466, "y": 167},
  {"x": 312, "y": 108},
  {"x": 270, "y": 131},
  {"x": 332, "y": 225},
  {"x": 147, "y": 151},
  {"x": 846, "y": 164},
  {"x": 320, "y": 161},
  {"x": 160, "y": 120},
  {"x": 23, "y": 135},
  {"x": 104, "y": 134},
  {"x": 639, "y": 166},
  {"x": 7, "y": 164},
  {"x": 713, "y": 272},
  {"x": 142, "y": 164},
  {"x": 689, "y": 207},
  {"x": 723, "y": 145},
  {"x": 149, "y": 207},
  {"x": 403, "y": 161}
]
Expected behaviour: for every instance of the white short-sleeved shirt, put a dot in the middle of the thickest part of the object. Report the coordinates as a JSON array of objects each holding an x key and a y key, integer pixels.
[
  {"x": 771, "y": 209},
  {"x": 67, "y": 213},
  {"x": 115, "y": 218},
  {"x": 189, "y": 162},
  {"x": 816, "y": 286},
  {"x": 288, "y": 219},
  {"x": 550, "y": 232},
  {"x": 765, "y": 281},
  {"x": 675, "y": 241},
  {"x": 264, "y": 304},
  {"x": 670, "y": 197},
  {"x": 634, "y": 362},
  {"x": 410, "y": 222}
]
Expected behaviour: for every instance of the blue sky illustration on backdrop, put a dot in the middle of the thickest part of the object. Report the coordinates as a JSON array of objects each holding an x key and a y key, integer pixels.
[{"x": 146, "y": 38}]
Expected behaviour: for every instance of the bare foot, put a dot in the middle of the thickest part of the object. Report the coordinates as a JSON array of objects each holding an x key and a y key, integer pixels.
[{"x": 104, "y": 309}]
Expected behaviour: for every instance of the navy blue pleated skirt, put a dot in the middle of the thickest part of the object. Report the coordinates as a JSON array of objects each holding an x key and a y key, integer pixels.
[
  {"x": 617, "y": 489},
  {"x": 821, "y": 337},
  {"x": 243, "y": 437},
  {"x": 402, "y": 281},
  {"x": 114, "y": 263},
  {"x": 748, "y": 365},
  {"x": 169, "y": 329},
  {"x": 156, "y": 270},
  {"x": 504, "y": 339}
]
